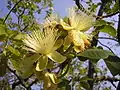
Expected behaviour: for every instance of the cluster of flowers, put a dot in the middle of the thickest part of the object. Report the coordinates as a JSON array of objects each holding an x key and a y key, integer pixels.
[{"x": 45, "y": 41}]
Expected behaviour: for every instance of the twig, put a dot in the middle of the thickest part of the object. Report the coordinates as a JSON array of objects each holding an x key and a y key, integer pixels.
[
  {"x": 118, "y": 29},
  {"x": 17, "y": 83},
  {"x": 11, "y": 10},
  {"x": 106, "y": 46},
  {"x": 109, "y": 15},
  {"x": 108, "y": 38}
]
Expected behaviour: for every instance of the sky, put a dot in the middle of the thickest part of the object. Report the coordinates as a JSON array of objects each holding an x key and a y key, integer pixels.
[{"x": 59, "y": 7}]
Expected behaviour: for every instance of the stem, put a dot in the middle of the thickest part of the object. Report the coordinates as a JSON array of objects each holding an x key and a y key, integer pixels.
[
  {"x": 94, "y": 43},
  {"x": 118, "y": 29}
]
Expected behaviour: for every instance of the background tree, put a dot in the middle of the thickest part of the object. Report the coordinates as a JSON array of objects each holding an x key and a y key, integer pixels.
[{"x": 80, "y": 70}]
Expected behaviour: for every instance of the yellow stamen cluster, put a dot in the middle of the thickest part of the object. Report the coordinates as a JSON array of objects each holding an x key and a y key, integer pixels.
[{"x": 41, "y": 41}]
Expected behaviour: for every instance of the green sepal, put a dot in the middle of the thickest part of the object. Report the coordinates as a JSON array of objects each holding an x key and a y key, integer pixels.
[
  {"x": 56, "y": 57},
  {"x": 42, "y": 63}
]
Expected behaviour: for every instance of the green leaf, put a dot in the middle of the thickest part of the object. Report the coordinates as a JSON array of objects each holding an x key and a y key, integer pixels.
[
  {"x": 108, "y": 29},
  {"x": 85, "y": 85},
  {"x": 2, "y": 32},
  {"x": 64, "y": 84},
  {"x": 96, "y": 54},
  {"x": 25, "y": 66},
  {"x": 13, "y": 50},
  {"x": 113, "y": 63},
  {"x": 12, "y": 33},
  {"x": 116, "y": 6},
  {"x": 3, "y": 65},
  {"x": 42, "y": 63},
  {"x": 100, "y": 23},
  {"x": 19, "y": 36},
  {"x": 56, "y": 57},
  {"x": 114, "y": 67}
]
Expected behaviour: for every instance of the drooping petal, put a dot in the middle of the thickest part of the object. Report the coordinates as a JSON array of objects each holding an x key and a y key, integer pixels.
[
  {"x": 56, "y": 57},
  {"x": 42, "y": 63}
]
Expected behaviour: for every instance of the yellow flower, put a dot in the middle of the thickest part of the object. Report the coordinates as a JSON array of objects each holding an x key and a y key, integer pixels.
[
  {"x": 80, "y": 40},
  {"x": 43, "y": 42},
  {"x": 79, "y": 22}
]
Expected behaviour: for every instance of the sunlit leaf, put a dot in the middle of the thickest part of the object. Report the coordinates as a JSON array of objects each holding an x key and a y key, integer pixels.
[
  {"x": 100, "y": 23},
  {"x": 53, "y": 78},
  {"x": 47, "y": 81},
  {"x": 19, "y": 36},
  {"x": 2, "y": 32},
  {"x": 12, "y": 33},
  {"x": 25, "y": 66},
  {"x": 109, "y": 30},
  {"x": 13, "y": 50}
]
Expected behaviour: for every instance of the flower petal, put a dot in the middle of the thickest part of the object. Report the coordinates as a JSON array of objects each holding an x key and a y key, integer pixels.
[
  {"x": 56, "y": 57},
  {"x": 65, "y": 25},
  {"x": 76, "y": 37},
  {"x": 42, "y": 63}
]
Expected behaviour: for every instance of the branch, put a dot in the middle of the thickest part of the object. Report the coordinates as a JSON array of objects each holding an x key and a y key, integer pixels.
[
  {"x": 11, "y": 10},
  {"x": 118, "y": 29},
  {"x": 106, "y": 46},
  {"x": 110, "y": 79},
  {"x": 109, "y": 15},
  {"x": 17, "y": 83},
  {"x": 77, "y": 3},
  {"x": 108, "y": 38}
]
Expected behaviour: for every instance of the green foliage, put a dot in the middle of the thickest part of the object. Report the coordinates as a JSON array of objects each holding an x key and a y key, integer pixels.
[
  {"x": 109, "y": 30},
  {"x": 63, "y": 68},
  {"x": 64, "y": 84},
  {"x": 3, "y": 65},
  {"x": 95, "y": 54},
  {"x": 114, "y": 67},
  {"x": 100, "y": 23},
  {"x": 14, "y": 51},
  {"x": 113, "y": 64},
  {"x": 25, "y": 66}
]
